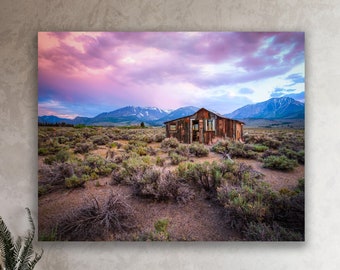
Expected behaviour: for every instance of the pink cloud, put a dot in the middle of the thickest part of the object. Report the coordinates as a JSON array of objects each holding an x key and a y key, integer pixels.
[{"x": 132, "y": 67}]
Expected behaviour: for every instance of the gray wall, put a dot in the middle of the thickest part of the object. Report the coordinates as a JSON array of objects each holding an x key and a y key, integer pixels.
[{"x": 21, "y": 20}]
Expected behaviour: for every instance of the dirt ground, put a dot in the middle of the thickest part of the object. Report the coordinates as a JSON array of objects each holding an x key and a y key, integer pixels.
[
  {"x": 199, "y": 219},
  {"x": 277, "y": 179}
]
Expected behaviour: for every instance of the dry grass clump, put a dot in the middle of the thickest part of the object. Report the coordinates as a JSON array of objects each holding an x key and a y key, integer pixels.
[
  {"x": 161, "y": 186},
  {"x": 169, "y": 143},
  {"x": 93, "y": 221},
  {"x": 235, "y": 149},
  {"x": 55, "y": 174}
]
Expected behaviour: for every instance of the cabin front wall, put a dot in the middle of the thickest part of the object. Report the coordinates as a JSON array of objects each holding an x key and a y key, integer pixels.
[{"x": 198, "y": 128}]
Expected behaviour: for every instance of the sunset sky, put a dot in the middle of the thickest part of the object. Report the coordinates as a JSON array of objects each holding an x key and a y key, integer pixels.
[{"x": 87, "y": 73}]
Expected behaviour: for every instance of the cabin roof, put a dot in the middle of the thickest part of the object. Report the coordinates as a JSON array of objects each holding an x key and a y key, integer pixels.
[{"x": 219, "y": 115}]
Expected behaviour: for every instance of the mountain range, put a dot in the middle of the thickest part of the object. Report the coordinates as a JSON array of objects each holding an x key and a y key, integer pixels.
[{"x": 272, "y": 109}]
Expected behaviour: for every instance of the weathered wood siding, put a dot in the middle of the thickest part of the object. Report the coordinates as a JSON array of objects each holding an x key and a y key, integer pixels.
[{"x": 222, "y": 128}]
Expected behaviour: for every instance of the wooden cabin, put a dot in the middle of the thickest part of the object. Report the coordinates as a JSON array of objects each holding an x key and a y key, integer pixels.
[{"x": 205, "y": 127}]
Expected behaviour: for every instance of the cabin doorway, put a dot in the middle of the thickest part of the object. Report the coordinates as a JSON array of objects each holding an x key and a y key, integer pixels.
[{"x": 195, "y": 131}]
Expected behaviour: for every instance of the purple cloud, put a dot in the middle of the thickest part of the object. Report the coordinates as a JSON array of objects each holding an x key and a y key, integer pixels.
[{"x": 159, "y": 68}]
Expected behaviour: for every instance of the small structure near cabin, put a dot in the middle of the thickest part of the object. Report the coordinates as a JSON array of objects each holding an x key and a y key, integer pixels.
[{"x": 205, "y": 127}]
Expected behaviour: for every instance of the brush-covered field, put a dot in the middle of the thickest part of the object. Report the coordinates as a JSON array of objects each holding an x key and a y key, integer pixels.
[{"x": 133, "y": 184}]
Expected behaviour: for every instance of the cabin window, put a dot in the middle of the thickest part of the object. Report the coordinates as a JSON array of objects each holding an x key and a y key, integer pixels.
[
  {"x": 195, "y": 127},
  {"x": 210, "y": 125},
  {"x": 173, "y": 127}
]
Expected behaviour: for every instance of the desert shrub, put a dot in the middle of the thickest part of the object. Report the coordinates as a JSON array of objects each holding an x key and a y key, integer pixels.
[
  {"x": 94, "y": 161},
  {"x": 136, "y": 146},
  {"x": 272, "y": 143},
  {"x": 301, "y": 185},
  {"x": 74, "y": 182},
  {"x": 118, "y": 159},
  {"x": 94, "y": 176},
  {"x": 147, "y": 139},
  {"x": 50, "y": 159},
  {"x": 55, "y": 174},
  {"x": 161, "y": 227},
  {"x": 99, "y": 139},
  {"x": 134, "y": 166},
  {"x": 160, "y": 161},
  {"x": 198, "y": 174},
  {"x": 85, "y": 177},
  {"x": 183, "y": 150},
  {"x": 160, "y": 232},
  {"x": 137, "y": 143},
  {"x": 161, "y": 186},
  {"x": 279, "y": 163},
  {"x": 176, "y": 159},
  {"x": 199, "y": 150},
  {"x": 43, "y": 151},
  {"x": 289, "y": 153},
  {"x": 169, "y": 143},
  {"x": 301, "y": 157},
  {"x": 159, "y": 137},
  {"x": 259, "y": 148},
  {"x": 83, "y": 148},
  {"x": 151, "y": 151},
  {"x": 44, "y": 189},
  {"x": 118, "y": 176},
  {"x": 62, "y": 139},
  {"x": 245, "y": 204},
  {"x": 239, "y": 150},
  {"x": 99, "y": 165},
  {"x": 62, "y": 156},
  {"x": 235, "y": 149},
  {"x": 262, "y": 214},
  {"x": 221, "y": 146},
  {"x": 263, "y": 232},
  {"x": 269, "y": 152},
  {"x": 93, "y": 221},
  {"x": 288, "y": 211}
]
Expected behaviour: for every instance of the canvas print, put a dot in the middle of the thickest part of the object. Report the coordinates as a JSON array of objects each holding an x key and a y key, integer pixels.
[{"x": 171, "y": 136}]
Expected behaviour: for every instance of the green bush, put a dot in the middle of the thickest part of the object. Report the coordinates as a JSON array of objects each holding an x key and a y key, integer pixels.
[
  {"x": 161, "y": 227},
  {"x": 44, "y": 189},
  {"x": 263, "y": 232},
  {"x": 62, "y": 156},
  {"x": 160, "y": 161},
  {"x": 237, "y": 149},
  {"x": 259, "y": 148},
  {"x": 74, "y": 181},
  {"x": 100, "y": 139},
  {"x": 159, "y": 137},
  {"x": 83, "y": 148},
  {"x": 279, "y": 163},
  {"x": 99, "y": 165},
  {"x": 221, "y": 146},
  {"x": 176, "y": 159},
  {"x": 169, "y": 143},
  {"x": 183, "y": 150},
  {"x": 43, "y": 151},
  {"x": 161, "y": 186},
  {"x": 199, "y": 150},
  {"x": 118, "y": 176}
]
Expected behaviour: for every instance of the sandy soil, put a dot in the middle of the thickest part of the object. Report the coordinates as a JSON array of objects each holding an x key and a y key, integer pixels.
[
  {"x": 277, "y": 179},
  {"x": 199, "y": 219}
]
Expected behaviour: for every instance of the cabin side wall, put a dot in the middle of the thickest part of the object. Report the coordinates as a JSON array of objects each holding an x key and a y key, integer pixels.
[{"x": 179, "y": 129}]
